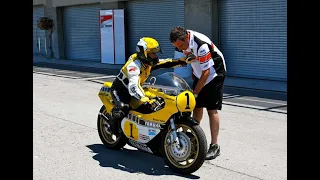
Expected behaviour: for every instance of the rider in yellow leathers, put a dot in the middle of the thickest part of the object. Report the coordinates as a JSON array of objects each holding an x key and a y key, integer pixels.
[{"x": 133, "y": 74}]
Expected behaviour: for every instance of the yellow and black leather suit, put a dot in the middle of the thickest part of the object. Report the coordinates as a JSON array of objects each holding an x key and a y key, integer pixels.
[{"x": 134, "y": 73}]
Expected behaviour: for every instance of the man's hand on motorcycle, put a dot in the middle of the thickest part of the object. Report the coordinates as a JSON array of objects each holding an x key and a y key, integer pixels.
[{"x": 195, "y": 93}]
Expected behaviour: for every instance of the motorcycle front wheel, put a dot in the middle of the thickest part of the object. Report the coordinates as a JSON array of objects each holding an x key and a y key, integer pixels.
[
  {"x": 109, "y": 140},
  {"x": 190, "y": 156}
]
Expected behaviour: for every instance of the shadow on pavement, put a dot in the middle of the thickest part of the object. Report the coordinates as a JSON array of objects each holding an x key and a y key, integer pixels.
[{"x": 132, "y": 161}]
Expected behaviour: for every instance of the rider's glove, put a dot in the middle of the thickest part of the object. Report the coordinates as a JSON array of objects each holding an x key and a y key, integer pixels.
[
  {"x": 144, "y": 99},
  {"x": 188, "y": 58},
  {"x": 182, "y": 63},
  {"x": 156, "y": 103}
]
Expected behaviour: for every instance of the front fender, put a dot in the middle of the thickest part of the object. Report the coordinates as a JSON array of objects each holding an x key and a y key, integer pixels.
[{"x": 187, "y": 118}]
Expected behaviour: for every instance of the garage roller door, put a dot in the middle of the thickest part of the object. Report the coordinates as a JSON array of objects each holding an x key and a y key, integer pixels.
[
  {"x": 253, "y": 38},
  {"x": 82, "y": 32},
  {"x": 154, "y": 19}
]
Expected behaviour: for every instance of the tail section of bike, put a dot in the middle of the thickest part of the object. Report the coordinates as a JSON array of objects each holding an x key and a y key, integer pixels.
[{"x": 105, "y": 96}]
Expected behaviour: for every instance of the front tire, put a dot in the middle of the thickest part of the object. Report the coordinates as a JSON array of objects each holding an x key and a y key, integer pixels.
[
  {"x": 194, "y": 148},
  {"x": 109, "y": 140}
]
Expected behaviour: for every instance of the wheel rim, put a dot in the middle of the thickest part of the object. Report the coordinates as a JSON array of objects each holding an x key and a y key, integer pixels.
[
  {"x": 180, "y": 153},
  {"x": 107, "y": 136},
  {"x": 187, "y": 155}
]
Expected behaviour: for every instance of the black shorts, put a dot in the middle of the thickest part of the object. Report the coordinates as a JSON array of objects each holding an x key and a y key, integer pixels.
[{"x": 211, "y": 94}]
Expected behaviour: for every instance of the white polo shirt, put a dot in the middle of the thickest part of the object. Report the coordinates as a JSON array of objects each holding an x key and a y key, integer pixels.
[{"x": 203, "y": 55}]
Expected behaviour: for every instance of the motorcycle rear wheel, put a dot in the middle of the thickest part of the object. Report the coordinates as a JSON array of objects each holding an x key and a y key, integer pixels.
[
  {"x": 109, "y": 140},
  {"x": 194, "y": 148}
]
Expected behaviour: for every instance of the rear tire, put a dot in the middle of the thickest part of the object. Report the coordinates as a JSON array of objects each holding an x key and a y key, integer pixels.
[{"x": 109, "y": 140}]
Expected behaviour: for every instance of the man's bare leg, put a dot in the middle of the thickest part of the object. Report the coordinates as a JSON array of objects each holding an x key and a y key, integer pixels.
[
  {"x": 197, "y": 114},
  {"x": 214, "y": 120},
  {"x": 214, "y": 148}
]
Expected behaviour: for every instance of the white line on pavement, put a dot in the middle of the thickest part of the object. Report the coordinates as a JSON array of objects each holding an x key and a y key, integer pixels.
[
  {"x": 50, "y": 74},
  {"x": 255, "y": 107},
  {"x": 262, "y": 101},
  {"x": 99, "y": 77}
]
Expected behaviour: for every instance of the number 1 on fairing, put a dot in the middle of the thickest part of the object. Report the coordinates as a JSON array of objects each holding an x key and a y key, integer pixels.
[
  {"x": 187, "y": 107},
  {"x": 131, "y": 127}
]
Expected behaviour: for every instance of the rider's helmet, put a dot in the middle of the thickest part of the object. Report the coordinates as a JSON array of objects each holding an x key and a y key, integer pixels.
[{"x": 148, "y": 45}]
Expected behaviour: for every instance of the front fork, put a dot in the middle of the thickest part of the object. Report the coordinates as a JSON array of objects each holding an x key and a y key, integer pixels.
[
  {"x": 173, "y": 135},
  {"x": 106, "y": 119}
]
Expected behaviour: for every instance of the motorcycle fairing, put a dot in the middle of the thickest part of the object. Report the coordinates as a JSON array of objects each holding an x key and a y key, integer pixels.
[{"x": 140, "y": 130}]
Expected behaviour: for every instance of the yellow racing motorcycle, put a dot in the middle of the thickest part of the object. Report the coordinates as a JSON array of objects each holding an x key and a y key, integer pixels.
[{"x": 168, "y": 131}]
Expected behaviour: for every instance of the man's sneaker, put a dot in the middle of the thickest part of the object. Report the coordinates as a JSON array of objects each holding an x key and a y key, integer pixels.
[{"x": 213, "y": 152}]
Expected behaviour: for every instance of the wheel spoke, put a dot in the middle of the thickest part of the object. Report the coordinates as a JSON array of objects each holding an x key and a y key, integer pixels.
[
  {"x": 193, "y": 154},
  {"x": 193, "y": 139},
  {"x": 184, "y": 129},
  {"x": 187, "y": 161}
]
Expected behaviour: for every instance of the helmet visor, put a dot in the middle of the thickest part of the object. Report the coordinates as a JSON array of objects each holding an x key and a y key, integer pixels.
[{"x": 155, "y": 50}]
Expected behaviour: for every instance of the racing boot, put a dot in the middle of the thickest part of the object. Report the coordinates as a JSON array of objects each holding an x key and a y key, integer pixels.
[
  {"x": 117, "y": 114},
  {"x": 114, "y": 127}
]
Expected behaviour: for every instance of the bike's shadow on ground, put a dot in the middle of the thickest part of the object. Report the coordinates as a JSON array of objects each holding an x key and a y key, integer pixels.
[{"x": 132, "y": 161}]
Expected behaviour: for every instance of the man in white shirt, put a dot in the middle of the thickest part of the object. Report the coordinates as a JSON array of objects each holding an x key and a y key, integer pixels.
[{"x": 208, "y": 73}]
